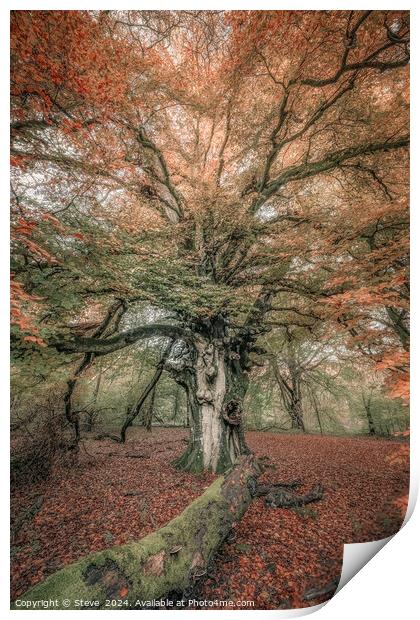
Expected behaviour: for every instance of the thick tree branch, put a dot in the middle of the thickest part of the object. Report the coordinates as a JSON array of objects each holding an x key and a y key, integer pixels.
[
  {"x": 113, "y": 315},
  {"x": 166, "y": 180},
  {"x": 277, "y": 145},
  {"x": 124, "y": 339},
  {"x": 329, "y": 162}
]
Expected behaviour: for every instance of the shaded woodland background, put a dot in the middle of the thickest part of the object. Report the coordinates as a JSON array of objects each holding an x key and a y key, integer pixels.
[{"x": 336, "y": 393}]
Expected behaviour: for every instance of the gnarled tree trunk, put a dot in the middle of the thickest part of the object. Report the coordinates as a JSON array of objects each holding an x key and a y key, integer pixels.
[
  {"x": 211, "y": 363},
  {"x": 215, "y": 385}
]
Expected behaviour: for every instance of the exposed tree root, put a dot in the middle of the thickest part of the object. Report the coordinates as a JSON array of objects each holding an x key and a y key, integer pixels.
[
  {"x": 279, "y": 495},
  {"x": 281, "y": 498},
  {"x": 265, "y": 489}
]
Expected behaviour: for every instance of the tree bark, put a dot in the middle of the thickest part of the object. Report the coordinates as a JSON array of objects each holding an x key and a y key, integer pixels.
[
  {"x": 165, "y": 564},
  {"x": 290, "y": 392},
  {"x": 134, "y": 412},
  {"x": 367, "y": 403},
  {"x": 215, "y": 385},
  {"x": 317, "y": 412},
  {"x": 149, "y": 411},
  {"x": 176, "y": 415},
  {"x": 92, "y": 412}
]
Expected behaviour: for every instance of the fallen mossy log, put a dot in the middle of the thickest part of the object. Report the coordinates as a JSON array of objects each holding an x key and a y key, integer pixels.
[{"x": 166, "y": 564}]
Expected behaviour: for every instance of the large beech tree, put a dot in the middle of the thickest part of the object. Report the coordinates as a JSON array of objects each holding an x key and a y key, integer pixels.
[{"x": 229, "y": 169}]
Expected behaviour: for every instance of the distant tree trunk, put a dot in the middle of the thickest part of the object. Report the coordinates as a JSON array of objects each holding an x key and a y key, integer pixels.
[
  {"x": 91, "y": 414},
  {"x": 133, "y": 412},
  {"x": 108, "y": 326},
  {"x": 149, "y": 410},
  {"x": 367, "y": 403},
  {"x": 291, "y": 396},
  {"x": 371, "y": 424},
  {"x": 98, "y": 384},
  {"x": 295, "y": 408},
  {"x": 316, "y": 408},
  {"x": 71, "y": 416},
  {"x": 176, "y": 415}
]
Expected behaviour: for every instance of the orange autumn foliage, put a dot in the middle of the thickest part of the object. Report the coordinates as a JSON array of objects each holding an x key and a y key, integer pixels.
[{"x": 264, "y": 150}]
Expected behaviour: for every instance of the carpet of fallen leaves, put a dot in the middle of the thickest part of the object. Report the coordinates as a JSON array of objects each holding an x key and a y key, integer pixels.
[{"x": 275, "y": 557}]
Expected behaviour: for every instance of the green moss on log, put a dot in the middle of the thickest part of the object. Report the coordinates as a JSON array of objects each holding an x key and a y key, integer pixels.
[{"x": 166, "y": 561}]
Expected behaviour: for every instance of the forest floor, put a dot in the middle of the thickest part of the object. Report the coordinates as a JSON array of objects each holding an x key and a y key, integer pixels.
[{"x": 276, "y": 556}]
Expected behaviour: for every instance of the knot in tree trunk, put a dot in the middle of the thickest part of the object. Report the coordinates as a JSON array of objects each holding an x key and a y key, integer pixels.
[{"x": 232, "y": 412}]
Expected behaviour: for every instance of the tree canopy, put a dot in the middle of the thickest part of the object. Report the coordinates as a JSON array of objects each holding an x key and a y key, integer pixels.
[{"x": 245, "y": 169}]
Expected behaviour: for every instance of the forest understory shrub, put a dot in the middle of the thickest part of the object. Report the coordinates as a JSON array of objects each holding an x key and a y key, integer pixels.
[{"x": 40, "y": 440}]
